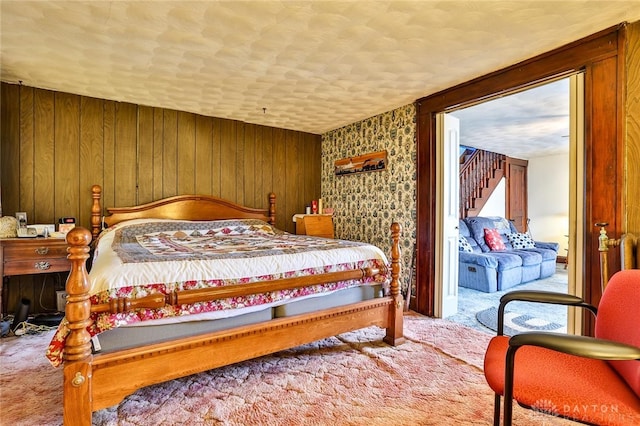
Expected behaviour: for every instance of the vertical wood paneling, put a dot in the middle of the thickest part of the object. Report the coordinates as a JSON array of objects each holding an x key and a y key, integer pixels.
[
  {"x": 10, "y": 149},
  {"x": 91, "y": 157},
  {"x": 158, "y": 152},
  {"x": 66, "y": 165},
  {"x": 186, "y": 153},
  {"x": 108, "y": 190},
  {"x": 267, "y": 164},
  {"x": 240, "y": 168},
  {"x": 170, "y": 154},
  {"x": 632, "y": 151},
  {"x": 66, "y": 143},
  {"x": 293, "y": 174},
  {"x": 204, "y": 150},
  {"x": 126, "y": 182},
  {"x": 43, "y": 172},
  {"x": 228, "y": 160},
  {"x": 216, "y": 157},
  {"x": 258, "y": 190},
  {"x": 279, "y": 178},
  {"x": 55, "y": 146},
  {"x": 26, "y": 158},
  {"x": 145, "y": 154},
  {"x": 249, "y": 165}
]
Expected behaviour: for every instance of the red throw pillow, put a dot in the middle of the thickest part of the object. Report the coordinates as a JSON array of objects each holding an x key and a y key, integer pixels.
[{"x": 493, "y": 239}]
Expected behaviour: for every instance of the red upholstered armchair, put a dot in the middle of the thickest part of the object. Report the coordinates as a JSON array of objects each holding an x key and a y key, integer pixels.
[{"x": 590, "y": 380}]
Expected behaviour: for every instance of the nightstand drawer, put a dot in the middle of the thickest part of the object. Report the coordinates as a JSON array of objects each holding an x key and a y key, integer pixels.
[
  {"x": 35, "y": 251},
  {"x": 36, "y": 266}
]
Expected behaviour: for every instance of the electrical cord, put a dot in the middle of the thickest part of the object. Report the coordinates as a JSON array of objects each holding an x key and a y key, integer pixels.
[
  {"x": 27, "y": 328},
  {"x": 56, "y": 285}
]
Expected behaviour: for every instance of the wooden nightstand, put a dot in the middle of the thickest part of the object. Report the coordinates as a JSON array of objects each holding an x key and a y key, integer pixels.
[
  {"x": 25, "y": 256},
  {"x": 318, "y": 225}
]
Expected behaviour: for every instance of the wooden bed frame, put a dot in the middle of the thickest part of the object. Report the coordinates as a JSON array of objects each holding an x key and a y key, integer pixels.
[{"x": 96, "y": 381}]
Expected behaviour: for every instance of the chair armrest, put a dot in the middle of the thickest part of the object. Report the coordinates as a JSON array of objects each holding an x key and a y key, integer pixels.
[
  {"x": 583, "y": 346},
  {"x": 540, "y": 297}
]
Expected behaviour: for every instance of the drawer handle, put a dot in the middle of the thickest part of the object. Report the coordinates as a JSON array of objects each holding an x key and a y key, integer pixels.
[
  {"x": 42, "y": 250},
  {"x": 42, "y": 266}
]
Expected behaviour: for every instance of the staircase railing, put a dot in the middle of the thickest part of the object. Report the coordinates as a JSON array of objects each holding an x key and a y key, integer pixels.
[{"x": 479, "y": 175}]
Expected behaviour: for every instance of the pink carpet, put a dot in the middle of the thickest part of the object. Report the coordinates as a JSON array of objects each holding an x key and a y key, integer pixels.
[{"x": 435, "y": 378}]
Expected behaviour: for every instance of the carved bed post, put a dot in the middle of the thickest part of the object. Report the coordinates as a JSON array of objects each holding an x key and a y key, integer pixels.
[
  {"x": 96, "y": 211},
  {"x": 394, "y": 334},
  {"x": 77, "y": 351},
  {"x": 272, "y": 208}
]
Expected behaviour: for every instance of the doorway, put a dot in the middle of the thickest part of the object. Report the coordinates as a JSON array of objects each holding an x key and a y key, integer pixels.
[
  {"x": 532, "y": 128},
  {"x": 600, "y": 57}
]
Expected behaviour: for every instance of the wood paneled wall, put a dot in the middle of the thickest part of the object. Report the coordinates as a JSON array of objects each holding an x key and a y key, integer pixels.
[
  {"x": 632, "y": 125},
  {"x": 55, "y": 146}
]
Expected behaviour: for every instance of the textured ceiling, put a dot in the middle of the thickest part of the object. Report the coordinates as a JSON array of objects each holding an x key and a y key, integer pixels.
[
  {"x": 311, "y": 66},
  {"x": 528, "y": 124}
]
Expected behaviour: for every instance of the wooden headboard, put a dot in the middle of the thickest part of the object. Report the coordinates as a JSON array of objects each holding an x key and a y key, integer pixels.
[{"x": 186, "y": 207}]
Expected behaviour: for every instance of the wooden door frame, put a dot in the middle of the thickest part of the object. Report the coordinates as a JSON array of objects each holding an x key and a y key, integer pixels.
[
  {"x": 601, "y": 57},
  {"x": 521, "y": 225}
]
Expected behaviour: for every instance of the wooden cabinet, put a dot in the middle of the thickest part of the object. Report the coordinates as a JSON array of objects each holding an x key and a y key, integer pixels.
[
  {"x": 318, "y": 225},
  {"x": 26, "y": 256}
]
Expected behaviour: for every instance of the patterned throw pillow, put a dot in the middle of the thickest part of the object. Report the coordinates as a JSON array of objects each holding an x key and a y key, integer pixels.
[
  {"x": 493, "y": 240},
  {"x": 520, "y": 241},
  {"x": 463, "y": 244}
]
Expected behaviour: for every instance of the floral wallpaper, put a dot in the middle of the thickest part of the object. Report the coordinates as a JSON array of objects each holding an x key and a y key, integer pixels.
[{"x": 367, "y": 203}]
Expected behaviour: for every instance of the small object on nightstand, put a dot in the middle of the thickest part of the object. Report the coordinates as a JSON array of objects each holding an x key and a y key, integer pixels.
[
  {"x": 318, "y": 225},
  {"x": 8, "y": 227},
  {"x": 63, "y": 228}
]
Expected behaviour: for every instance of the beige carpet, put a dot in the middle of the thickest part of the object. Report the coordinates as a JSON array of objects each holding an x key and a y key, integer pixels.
[{"x": 435, "y": 378}]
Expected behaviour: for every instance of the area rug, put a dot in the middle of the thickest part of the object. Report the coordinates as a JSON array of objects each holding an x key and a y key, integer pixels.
[
  {"x": 434, "y": 378},
  {"x": 515, "y": 323}
]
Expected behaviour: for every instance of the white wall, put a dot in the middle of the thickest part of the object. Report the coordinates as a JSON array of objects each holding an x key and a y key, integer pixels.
[
  {"x": 548, "y": 186},
  {"x": 495, "y": 205}
]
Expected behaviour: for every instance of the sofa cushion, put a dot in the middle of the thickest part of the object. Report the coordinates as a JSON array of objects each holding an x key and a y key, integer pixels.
[
  {"x": 529, "y": 258},
  {"x": 463, "y": 244},
  {"x": 506, "y": 260},
  {"x": 480, "y": 259},
  {"x": 463, "y": 229},
  {"x": 493, "y": 239},
  {"x": 520, "y": 240}
]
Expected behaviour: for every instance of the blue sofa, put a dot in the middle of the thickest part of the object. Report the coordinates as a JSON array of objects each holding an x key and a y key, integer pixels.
[{"x": 523, "y": 260}]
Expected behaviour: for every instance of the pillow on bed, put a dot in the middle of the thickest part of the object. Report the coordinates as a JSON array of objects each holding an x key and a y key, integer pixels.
[
  {"x": 195, "y": 228},
  {"x": 520, "y": 241},
  {"x": 493, "y": 239}
]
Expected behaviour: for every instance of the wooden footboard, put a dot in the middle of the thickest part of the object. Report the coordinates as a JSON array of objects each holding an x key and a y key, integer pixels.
[{"x": 93, "y": 382}]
